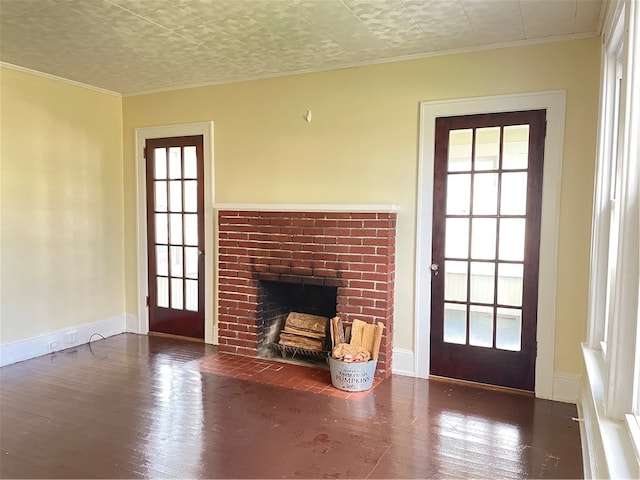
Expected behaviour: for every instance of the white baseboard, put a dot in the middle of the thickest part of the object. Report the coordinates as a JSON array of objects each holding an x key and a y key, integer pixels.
[
  {"x": 403, "y": 362},
  {"x": 566, "y": 387},
  {"x": 131, "y": 324},
  {"x": 52, "y": 342}
]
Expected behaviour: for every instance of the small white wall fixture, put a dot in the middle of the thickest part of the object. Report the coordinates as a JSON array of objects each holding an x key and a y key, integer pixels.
[
  {"x": 142, "y": 134},
  {"x": 554, "y": 103}
]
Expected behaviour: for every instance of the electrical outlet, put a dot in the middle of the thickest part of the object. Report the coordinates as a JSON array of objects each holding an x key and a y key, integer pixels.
[
  {"x": 71, "y": 337},
  {"x": 53, "y": 345}
]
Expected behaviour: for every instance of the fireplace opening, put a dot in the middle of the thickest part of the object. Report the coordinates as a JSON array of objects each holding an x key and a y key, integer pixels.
[{"x": 276, "y": 300}]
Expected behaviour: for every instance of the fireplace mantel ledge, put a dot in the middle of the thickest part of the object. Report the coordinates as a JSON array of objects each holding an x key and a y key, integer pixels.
[{"x": 292, "y": 207}]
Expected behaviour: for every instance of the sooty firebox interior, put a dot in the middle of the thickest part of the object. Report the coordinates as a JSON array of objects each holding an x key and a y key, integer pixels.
[{"x": 277, "y": 299}]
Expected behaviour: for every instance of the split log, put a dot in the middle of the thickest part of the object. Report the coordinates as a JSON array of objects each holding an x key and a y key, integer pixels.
[
  {"x": 291, "y": 340},
  {"x": 367, "y": 335},
  {"x": 303, "y": 333},
  {"x": 377, "y": 341},
  {"x": 314, "y": 325}
]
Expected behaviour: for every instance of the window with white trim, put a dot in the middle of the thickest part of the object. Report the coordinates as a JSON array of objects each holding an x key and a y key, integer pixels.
[{"x": 614, "y": 313}]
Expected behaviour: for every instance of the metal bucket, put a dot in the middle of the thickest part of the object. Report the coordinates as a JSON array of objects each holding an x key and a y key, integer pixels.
[{"x": 352, "y": 377}]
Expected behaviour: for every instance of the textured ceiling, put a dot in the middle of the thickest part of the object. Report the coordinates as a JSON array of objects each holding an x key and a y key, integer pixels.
[{"x": 134, "y": 46}]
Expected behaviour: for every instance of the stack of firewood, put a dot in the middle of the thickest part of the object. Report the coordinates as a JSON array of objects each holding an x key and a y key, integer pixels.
[
  {"x": 302, "y": 330},
  {"x": 358, "y": 343}
]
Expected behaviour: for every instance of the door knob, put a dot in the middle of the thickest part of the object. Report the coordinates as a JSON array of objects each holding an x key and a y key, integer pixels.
[{"x": 434, "y": 268}]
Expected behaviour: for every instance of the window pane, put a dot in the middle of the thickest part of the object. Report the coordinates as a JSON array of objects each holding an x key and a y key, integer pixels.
[
  {"x": 191, "y": 262},
  {"x": 176, "y": 228},
  {"x": 487, "y": 148},
  {"x": 176, "y": 261},
  {"x": 191, "y": 303},
  {"x": 513, "y": 194},
  {"x": 190, "y": 163},
  {"x": 460, "y": 150},
  {"x": 455, "y": 323},
  {"x": 509, "y": 329},
  {"x": 163, "y": 291},
  {"x": 160, "y": 157},
  {"x": 455, "y": 281},
  {"x": 162, "y": 229},
  {"x": 485, "y": 194},
  {"x": 191, "y": 229},
  {"x": 515, "y": 149},
  {"x": 458, "y": 193},
  {"x": 456, "y": 238},
  {"x": 177, "y": 295},
  {"x": 175, "y": 196},
  {"x": 482, "y": 282},
  {"x": 481, "y": 326},
  {"x": 510, "y": 280},
  {"x": 161, "y": 196},
  {"x": 483, "y": 238},
  {"x": 175, "y": 163},
  {"x": 191, "y": 196},
  {"x": 511, "y": 239},
  {"x": 162, "y": 260}
]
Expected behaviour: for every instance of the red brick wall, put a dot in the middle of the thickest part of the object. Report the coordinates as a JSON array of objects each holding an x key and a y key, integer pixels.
[{"x": 354, "y": 252}]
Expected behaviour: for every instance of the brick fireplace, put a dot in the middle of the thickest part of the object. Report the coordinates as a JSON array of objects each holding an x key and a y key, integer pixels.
[{"x": 353, "y": 252}]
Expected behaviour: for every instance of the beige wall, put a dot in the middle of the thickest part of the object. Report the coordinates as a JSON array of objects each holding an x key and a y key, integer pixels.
[
  {"x": 361, "y": 147},
  {"x": 62, "y": 206}
]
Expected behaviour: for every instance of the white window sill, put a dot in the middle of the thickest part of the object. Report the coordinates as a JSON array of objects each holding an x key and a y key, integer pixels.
[
  {"x": 610, "y": 451},
  {"x": 633, "y": 427}
]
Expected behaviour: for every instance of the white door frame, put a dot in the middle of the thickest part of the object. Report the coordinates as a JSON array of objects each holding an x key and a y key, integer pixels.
[
  {"x": 142, "y": 134},
  {"x": 554, "y": 103}
]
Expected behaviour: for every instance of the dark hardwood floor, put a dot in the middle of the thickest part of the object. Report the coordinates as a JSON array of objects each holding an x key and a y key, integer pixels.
[{"x": 135, "y": 406}]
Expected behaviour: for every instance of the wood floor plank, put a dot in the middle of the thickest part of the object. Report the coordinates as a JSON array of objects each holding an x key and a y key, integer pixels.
[{"x": 135, "y": 406}]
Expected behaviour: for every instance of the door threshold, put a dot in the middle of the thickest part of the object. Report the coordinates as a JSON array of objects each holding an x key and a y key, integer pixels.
[
  {"x": 176, "y": 337},
  {"x": 485, "y": 386}
]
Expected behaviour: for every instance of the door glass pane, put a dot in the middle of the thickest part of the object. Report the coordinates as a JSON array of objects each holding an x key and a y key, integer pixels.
[
  {"x": 160, "y": 163},
  {"x": 162, "y": 260},
  {"x": 175, "y": 196},
  {"x": 175, "y": 228},
  {"x": 163, "y": 291},
  {"x": 176, "y": 261},
  {"x": 175, "y": 163},
  {"x": 191, "y": 229},
  {"x": 482, "y": 282},
  {"x": 513, "y": 194},
  {"x": 485, "y": 194},
  {"x": 480, "y": 326},
  {"x": 191, "y": 295},
  {"x": 161, "y": 196},
  {"x": 177, "y": 295},
  {"x": 458, "y": 193},
  {"x": 457, "y": 238},
  {"x": 190, "y": 163},
  {"x": 510, "y": 281},
  {"x": 511, "y": 239},
  {"x": 460, "y": 150},
  {"x": 509, "y": 329},
  {"x": 162, "y": 229},
  {"x": 515, "y": 149},
  {"x": 483, "y": 238},
  {"x": 455, "y": 323},
  {"x": 191, "y": 262},
  {"x": 191, "y": 196},
  {"x": 487, "y": 148},
  {"x": 455, "y": 281}
]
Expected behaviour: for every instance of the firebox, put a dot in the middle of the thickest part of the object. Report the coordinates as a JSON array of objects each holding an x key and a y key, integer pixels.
[{"x": 276, "y": 300}]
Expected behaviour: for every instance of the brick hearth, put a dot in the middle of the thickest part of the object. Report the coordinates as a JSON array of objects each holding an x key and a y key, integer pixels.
[{"x": 354, "y": 252}]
